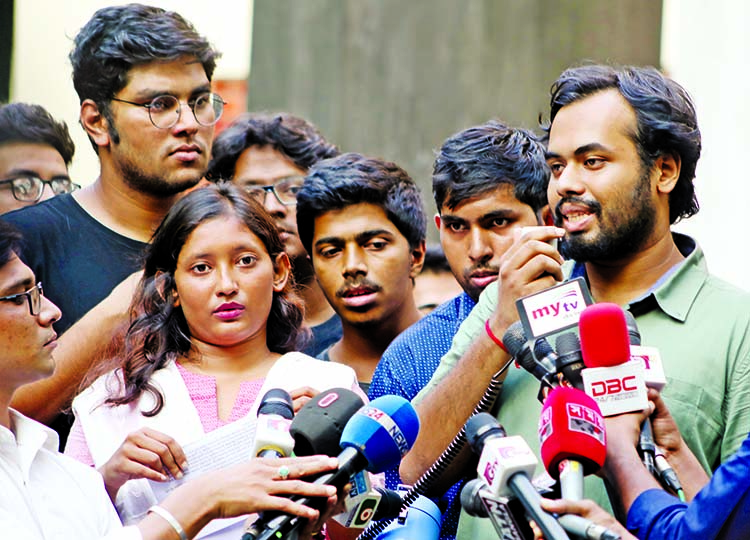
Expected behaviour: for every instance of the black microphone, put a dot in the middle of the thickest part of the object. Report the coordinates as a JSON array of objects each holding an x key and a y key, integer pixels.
[
  {"x": 505, "y": 463},
  {"x": 275, "y": 413},
  {"x": 569, "y": 358},
  {"x": 319, "y": 423},
  {"x": 646, "y": 444},
  {"x": 545, "y": 355},
  {"x": 515, "y": 341}
]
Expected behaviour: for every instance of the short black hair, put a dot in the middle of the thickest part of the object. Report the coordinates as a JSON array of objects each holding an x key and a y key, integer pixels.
[
  {"x": 29, "y": 123},
  {"x": 118, "y": 38},
  {"x": 292, "y": 136},
  {"x": 349, "y": 179},
  {"x": 477, "y": 160},
  {"x": 667, "y": 123}
]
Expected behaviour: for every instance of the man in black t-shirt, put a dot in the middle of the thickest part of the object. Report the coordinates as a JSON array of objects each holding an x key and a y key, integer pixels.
[{"x": 143, "y": 77}]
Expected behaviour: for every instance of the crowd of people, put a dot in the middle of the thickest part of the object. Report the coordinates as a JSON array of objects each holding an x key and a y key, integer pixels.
[{"x": 149, "y": 311}]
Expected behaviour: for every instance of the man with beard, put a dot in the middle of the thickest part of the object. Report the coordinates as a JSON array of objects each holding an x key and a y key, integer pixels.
[
  {"x": 363, "y": 224},
  {"x": 143, "y": 77},
  {"x": 623, "y": 144},
  {"x": 488, "y": 181},
  {"x": 269, "y": 155}
]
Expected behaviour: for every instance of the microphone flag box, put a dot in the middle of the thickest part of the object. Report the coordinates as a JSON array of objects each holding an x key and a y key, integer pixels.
[
  {"x": 553, "y": 310},
  {"x": 503, "y": 457},
  {"x": 652, "y": 366},
  {"x": 617, "y": 389},
  {"x": 361, "y": 502}
]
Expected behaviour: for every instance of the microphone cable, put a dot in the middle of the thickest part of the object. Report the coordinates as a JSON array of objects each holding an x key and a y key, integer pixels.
[{"x": 444, "y": 460}]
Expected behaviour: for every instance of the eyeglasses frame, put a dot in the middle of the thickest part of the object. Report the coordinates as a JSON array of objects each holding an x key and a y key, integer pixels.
[
  {"x": 10, "y": 181},
  {"x": 33, "y": 295},
  {"x": 150, "y": 104}
]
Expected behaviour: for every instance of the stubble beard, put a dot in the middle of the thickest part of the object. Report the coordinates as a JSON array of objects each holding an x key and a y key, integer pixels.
[{"x": 614, "y": 241}]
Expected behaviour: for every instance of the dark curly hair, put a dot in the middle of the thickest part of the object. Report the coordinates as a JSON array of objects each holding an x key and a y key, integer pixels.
[
  {"x": 294, "y": 137},
  {"x": 665, "y": 113},
  {"x": 351, "y": 179},
  {"x": 118, "y": 38},
  {"x": 158, "y": 332},
  {"x": 28, "y": 123}
]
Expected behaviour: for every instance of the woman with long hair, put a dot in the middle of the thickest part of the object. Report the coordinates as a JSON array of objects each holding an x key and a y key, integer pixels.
[{"x": 214, "y": 324}]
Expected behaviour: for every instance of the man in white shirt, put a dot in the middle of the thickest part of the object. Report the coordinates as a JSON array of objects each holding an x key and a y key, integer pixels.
[{"x": 48, "y": 496}]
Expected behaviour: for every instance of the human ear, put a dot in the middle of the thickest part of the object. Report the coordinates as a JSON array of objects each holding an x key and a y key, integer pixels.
[
  {"x": 668, "y": 167},
  {"x": 282, "y": 268},
  {"x": 94, "y": 122},
  {"x": 417, "y": 259}
]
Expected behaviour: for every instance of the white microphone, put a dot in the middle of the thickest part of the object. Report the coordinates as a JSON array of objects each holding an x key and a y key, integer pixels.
[{"x": 275, "y": 413}]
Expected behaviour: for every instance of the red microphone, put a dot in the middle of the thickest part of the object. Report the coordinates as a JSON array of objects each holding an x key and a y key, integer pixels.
[
  {"x": 618, "y": 386},
  {"x": 572, "y": 437}
]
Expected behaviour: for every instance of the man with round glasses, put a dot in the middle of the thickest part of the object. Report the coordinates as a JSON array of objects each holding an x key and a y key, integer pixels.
[
  {"x": 269, "y": 155},
  {"x": 35, "y": 153},
  {"x": 143, "y": 77}
]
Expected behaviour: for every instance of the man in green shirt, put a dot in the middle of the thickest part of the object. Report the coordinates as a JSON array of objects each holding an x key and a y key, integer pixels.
[{"x": 622, "y": 149}]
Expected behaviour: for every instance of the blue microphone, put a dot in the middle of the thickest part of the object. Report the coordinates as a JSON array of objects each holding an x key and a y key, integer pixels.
[
  {"x": 420, "y": 521},
  {"x": 375, "y": 438}
]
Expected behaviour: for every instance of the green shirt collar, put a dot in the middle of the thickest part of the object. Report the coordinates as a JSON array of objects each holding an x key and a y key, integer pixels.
[{"x": 676, "y": 290}]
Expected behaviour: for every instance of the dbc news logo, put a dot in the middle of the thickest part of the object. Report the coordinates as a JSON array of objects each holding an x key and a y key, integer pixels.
[{"x": 614, "y": 386}]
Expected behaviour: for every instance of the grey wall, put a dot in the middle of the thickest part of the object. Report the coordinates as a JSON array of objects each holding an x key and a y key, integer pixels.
[{"x": 394, "y": 78}]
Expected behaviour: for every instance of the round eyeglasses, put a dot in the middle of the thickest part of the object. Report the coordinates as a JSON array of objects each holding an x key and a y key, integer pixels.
[
  {"x": 29, "y": 188},
  {"x": 285, "y": 190},
  {"x": 33, "y": 296},
  {"x": 164, "y": 111}
]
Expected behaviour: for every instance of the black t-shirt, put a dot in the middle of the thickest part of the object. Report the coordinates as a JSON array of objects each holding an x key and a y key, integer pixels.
[{"x": 78, "y": 260}]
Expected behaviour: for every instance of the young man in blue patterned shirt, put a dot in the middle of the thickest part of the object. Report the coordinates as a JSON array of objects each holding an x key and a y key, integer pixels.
[{"x": 487, "y": 181}]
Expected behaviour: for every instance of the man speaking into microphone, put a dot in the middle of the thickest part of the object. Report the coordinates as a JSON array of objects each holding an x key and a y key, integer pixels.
[{"x": 622, "y": 148}]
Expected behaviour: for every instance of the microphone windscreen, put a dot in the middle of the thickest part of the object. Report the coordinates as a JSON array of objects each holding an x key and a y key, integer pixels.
[
  {"x": 480, "y": 426},
  {"x": 383, "y": 431},
  {"x": 277, "y": 401},
  {"x": 514, "y": 338},
  {"x": 318, "y": 425},
  {"x": 571, "y": 426},
  {"x": 604, "y": 335}
]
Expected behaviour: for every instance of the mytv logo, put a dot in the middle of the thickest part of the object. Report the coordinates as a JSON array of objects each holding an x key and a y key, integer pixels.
[{"x": 570, "y": 302}]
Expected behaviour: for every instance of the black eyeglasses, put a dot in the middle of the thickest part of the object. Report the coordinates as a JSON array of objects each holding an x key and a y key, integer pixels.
[
  {"x": 33, "y": 296},
  {"x": 164, "y": 111},
  {"x": 29, "y": 188},
  {"x": 285, "y": 189}
]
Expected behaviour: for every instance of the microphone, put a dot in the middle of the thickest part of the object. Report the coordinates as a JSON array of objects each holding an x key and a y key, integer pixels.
[
  {"x": 572, "y": 438},
  {"x": 362, "y": 502},
  {"x": 420, "y": 521},
  {"x": 317, "y": 430},
  {"x": 505, "y": 463},
  {"x": 478, "y": 501},
  {"x": 515, "y": 341},
  {"x": 569, "y": 359},
  {"x": 375, "y": 438},
  {"x": 275, "y": 414},
  {"x": 618, "y": 386},
  {"x": 319, "y": 423},
  {"x": 646, "y": 444},
  {"x": 545, "y": 356}
]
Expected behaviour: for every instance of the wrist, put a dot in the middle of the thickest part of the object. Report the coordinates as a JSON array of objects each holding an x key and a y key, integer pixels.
[{"x": 494, "y": 334}]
